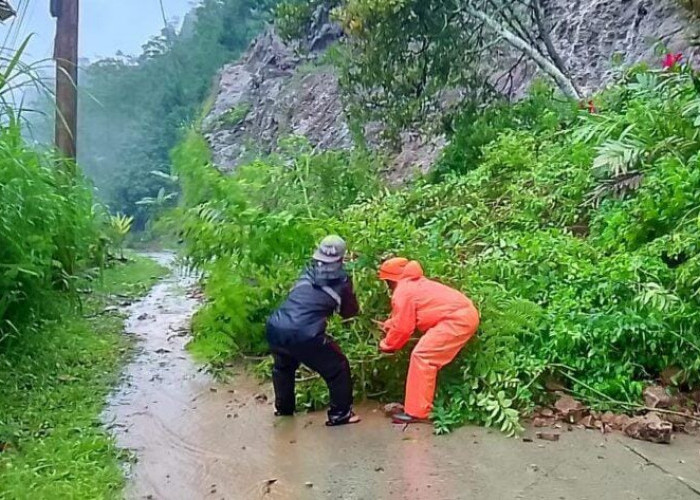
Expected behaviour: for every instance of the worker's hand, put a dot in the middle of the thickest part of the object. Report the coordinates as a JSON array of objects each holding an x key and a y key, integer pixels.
[{"x": 385, "y": 349}]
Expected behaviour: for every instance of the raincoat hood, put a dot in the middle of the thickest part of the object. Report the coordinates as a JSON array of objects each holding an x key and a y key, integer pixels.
[
  {"x": 393, "y": 269},
  {"x": 413, "y": 271}
]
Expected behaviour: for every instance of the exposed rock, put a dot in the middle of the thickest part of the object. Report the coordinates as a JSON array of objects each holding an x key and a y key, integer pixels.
[
  {"x": 678, "y": 421},
  {"x": 587, "y": 422},
  {"x": 418, "y": 155},
  {"x": 548, "y": 436},
  {"x": 607, "y": 418},
  {"x": 266, "y": 97},
  {"x": 277, "y": 89},
  {"x": 656, "y": 396},
  {"x": 570, "y": 409},
  {"x": 541, "y": 422},
  {"x": 591, "y": 33},
  {"x": 649, "y": 428},
  {"x": 619, "y": 422},
  {"x": 595, "y": 37},
  {"x": 392, "y": 409}
]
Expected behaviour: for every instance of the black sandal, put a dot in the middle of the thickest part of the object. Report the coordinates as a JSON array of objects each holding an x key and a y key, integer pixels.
[
  {"x": 345, "y": 420},
  {"x": 405, "y": 418}
]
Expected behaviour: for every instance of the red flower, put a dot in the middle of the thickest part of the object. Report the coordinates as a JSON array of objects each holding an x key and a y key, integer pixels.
[
  {"x": 591, "y": 108},
  {"x": 671, "y": 60}
]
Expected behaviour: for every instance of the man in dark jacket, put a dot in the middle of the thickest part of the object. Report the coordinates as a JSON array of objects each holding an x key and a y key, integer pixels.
[{"x": 297, "y": 335}]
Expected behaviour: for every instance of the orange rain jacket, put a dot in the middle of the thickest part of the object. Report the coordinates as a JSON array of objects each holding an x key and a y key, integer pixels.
[{"x": 447, "y": 317}]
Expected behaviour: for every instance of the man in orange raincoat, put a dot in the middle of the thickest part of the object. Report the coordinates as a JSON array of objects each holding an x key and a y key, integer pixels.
[{"x": 447, "y": 318}]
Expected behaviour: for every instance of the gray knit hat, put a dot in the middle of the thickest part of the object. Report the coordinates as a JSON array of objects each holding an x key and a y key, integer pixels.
[{"x": 332, "y": 249}]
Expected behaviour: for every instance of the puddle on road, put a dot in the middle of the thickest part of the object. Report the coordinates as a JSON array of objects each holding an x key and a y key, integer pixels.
[{"x": 196, "y": 438}]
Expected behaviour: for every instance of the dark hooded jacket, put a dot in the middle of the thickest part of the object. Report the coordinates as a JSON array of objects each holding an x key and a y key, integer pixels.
[{"x": 304, "y": 315}]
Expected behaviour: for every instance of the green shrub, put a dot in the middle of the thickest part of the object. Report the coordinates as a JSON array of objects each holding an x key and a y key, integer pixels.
[
  {"x": 252, "y": 232},
  {"x": 292, "y": 19},
  {"x": 234, "y": 116},
  {"x": 577, "y": 235},
  {"x": 49, "y": 231}
]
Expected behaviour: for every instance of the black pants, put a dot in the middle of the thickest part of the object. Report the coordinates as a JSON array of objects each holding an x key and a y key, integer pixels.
[{"x": 322, "y": 355}]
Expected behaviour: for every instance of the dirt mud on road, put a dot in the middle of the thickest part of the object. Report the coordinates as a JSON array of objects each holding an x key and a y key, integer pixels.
[{"x": 197, "y": 438}]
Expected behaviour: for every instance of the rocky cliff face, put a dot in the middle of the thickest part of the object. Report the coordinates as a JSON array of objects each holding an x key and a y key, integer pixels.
[
  {"x": 590, "y": 34},
  {"x": 273, "y": 92}
]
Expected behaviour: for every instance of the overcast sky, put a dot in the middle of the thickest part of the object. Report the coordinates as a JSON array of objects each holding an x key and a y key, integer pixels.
[{"x": 106, "y": 26}]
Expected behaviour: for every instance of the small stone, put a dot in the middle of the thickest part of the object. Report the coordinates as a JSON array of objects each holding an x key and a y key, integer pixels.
[
  {"x": 570, "y": 409},
  {"x": 650, "y": 428},
  {"x": 309, "y": 484},
  {"x": 587, "y": 422},
  {"x": 656, "y": 396},
  {"x": 392, "y": 409},
  {"x": 540, "y": 422},
  {"x": 607, "y": 418},
  {"x": 548, "y": 436},
  {"x": 547, "y": 412}
]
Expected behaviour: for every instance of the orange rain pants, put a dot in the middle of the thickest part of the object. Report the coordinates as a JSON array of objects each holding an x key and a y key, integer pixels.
[{"x": 449, "y": 320}]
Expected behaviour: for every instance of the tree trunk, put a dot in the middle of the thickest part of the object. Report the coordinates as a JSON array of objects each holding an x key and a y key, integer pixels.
[{"x": 550, "y": 68}]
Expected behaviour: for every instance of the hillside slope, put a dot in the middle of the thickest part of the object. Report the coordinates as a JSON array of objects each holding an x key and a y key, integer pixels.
[{"x": 275, "y": 90}]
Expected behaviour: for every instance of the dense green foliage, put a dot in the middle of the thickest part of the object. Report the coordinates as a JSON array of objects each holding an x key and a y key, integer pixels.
[
  {"x": 576, "y": 233},
  {"x": 54, "y": 385},
  {"x": 50, "y": 232},
  {"x": 252, "y": 232}
]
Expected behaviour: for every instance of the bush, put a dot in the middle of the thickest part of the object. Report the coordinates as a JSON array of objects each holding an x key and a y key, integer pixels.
[
  {"x": 293, "y": 19},
  {"x": 252, "y": 232},
  {"x": 49, "y": 231},
  {"x": 576, "y": 233}
]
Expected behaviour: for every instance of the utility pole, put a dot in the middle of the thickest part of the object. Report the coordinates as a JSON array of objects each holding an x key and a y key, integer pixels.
[{"x": 65, "y": 54}]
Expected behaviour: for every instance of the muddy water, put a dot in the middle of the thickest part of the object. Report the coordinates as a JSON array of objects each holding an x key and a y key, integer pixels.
[{"x": 196, "y": 438}]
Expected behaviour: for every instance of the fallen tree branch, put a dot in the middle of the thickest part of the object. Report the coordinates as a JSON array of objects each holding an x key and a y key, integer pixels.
[
  {"x": 563, "y": 81},
  {"x": 630, "y": 406}
]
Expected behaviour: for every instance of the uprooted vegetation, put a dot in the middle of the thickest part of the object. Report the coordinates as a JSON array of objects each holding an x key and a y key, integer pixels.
[{"x": 576, "y": 231}]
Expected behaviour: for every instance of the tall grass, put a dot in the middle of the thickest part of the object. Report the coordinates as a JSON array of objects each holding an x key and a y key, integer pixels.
[{"x": 49, "y": 225}]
